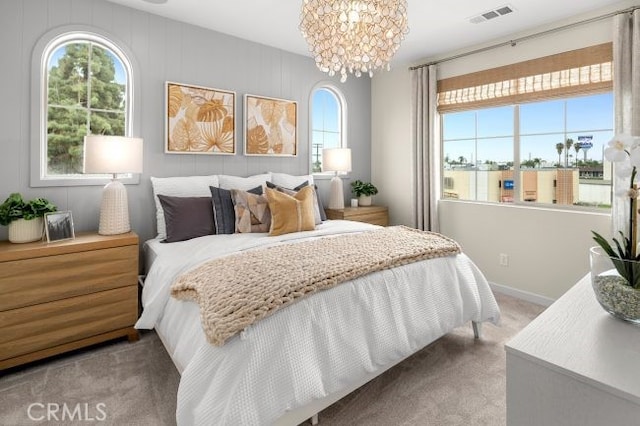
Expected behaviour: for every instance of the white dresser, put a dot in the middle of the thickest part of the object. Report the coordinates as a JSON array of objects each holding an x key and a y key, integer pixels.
[{"x": 574, "y": 365}]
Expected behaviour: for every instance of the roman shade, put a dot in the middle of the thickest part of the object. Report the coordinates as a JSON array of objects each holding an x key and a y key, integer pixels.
[{"x": 576, "y": 72}]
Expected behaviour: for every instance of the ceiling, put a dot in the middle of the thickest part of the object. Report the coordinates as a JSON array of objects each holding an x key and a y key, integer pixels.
[{"x": 436, "y": 27}]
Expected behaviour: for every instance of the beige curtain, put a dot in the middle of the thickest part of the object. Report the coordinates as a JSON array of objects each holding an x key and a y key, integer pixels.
[
  {"x": 626, "y": 90},
  {"x": 426, "y": 147}
]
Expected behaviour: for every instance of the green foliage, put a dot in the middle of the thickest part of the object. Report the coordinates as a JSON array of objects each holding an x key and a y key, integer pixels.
[
  {"x": 363, "y": 188},
  {"x": 83, "y": 97},
  {"x": 627, "y": 265},
  {"x": 14, "y": 207}
]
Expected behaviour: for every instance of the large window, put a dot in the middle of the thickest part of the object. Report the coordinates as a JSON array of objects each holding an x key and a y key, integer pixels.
[
  {"x": 555, "y": 156},
  {"x": 327, "y": 123},
  {"x": 85, "y": 86},
  {"x": 530, "y": 132}
]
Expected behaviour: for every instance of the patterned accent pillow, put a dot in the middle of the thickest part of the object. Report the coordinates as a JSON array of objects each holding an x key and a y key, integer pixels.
[
  {"x": 317, "y": 209},
  {"x": 252, "y": 212},
  {"x": 291, "y": 213}
]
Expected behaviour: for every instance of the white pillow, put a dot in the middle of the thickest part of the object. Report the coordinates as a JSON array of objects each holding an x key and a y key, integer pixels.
[
  {"x": 243, "y": 183},
  {"x": 290, "y": 181},
  {"x": 179, "y": 186}
]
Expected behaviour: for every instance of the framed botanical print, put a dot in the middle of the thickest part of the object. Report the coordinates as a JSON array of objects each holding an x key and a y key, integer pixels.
[
  {"x": 270, "y": 127},
  {"x": 199, "y": 120}
]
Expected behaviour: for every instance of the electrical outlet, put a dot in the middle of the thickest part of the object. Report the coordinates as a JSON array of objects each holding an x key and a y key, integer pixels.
[{"x": 503, "y": 259}]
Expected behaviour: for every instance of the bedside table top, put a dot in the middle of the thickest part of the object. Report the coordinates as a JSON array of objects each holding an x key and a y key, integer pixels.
[{"x": 82, "y": 242}]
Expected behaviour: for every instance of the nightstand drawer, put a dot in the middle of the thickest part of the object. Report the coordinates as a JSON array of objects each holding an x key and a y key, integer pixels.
[
  {"x": 39, "y": 327},
  {"x": 377, "y": 218},
  {"x": 375, "y": 215},
  {"x": 49, "y": 278}
]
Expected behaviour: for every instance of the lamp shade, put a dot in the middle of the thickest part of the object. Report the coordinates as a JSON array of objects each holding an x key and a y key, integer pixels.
[
  {"x": 336, "y": 160},
  {"x": 112, "y": 154}
]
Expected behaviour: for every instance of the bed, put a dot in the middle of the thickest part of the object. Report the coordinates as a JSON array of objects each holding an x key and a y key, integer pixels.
[{"x": 287, "y": 367}]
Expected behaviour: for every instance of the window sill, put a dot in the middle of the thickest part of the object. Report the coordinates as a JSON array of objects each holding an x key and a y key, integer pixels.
[
  {"x": 329, "y": 176},
  {"x": 530, "y": 206},
  {"x": 38, "y": 182}
]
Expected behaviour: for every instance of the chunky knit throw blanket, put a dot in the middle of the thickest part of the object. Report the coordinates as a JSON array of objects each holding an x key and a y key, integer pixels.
[{"x": 237, "y": 290}]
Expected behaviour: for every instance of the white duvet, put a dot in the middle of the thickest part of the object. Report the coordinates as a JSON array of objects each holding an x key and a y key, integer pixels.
[{"x": 315, "y": 347}]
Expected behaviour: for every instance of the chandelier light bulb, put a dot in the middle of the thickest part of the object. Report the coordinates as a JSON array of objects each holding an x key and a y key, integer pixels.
[{"x": 357, "y": 37}]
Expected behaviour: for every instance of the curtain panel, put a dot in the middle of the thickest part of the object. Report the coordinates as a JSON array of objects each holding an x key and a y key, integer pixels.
[
  {"x": 626, "y": 94},
  {"x": 425, "y": 131}
]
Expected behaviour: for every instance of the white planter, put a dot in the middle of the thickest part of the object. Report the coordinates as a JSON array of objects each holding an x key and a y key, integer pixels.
[
  {"x": 26, "y": 231},
  {"x": 364, "y": 200}
]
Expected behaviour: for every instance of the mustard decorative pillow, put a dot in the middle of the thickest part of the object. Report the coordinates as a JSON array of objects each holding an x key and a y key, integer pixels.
[
  {"x": 316, "y": 201},
  {"x": 291, "y": 213},
  {"x": 252, "y": 212}
]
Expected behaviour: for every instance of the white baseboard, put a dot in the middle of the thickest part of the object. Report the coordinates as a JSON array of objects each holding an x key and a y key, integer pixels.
[{"x": 521, "y": 294}]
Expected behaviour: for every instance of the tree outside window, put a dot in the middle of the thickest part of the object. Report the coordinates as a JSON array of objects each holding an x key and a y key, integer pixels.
[{"x": 86, "y": 94}]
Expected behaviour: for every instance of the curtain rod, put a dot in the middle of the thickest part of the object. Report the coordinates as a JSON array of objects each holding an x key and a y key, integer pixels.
[{"x": 520, "y": 39}]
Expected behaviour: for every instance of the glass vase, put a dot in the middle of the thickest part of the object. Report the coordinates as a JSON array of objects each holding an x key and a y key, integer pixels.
[{"x": 611, "y": 289}]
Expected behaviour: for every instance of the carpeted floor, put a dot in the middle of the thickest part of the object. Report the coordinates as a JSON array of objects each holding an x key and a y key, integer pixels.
[{"x": 456, "y": 380}]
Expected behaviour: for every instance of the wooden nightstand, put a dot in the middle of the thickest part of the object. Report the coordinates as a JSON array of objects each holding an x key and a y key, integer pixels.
[
  {"x": 66, "y": 295},
  {"x": 376, "y": 215}
]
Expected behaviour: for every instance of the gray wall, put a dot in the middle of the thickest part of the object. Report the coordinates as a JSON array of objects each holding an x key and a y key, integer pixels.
[{"x": 164, "y": 50}]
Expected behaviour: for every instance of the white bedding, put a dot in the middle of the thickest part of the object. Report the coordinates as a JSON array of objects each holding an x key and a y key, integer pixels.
[{"x": 313, "y": 348}]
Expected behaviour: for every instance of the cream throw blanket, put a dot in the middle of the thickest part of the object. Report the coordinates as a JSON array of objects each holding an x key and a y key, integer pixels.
[{"x": 236, "y": 290}]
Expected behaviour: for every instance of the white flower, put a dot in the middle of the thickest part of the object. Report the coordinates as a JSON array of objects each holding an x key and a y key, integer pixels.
[
  {"x": 619, "y": 148},
  {"x": 624, "y": 169}
]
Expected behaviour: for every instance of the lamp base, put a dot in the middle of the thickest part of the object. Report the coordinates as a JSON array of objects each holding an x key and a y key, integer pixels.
[
  {"x": 114, "y": 210},
  {"x": 336, "y": 197}
]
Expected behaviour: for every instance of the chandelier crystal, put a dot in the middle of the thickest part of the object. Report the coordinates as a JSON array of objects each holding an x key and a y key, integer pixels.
[{"x": 353, "y": 36}]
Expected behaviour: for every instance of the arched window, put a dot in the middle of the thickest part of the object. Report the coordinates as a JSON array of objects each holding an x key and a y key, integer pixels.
[
  {"x": 85, "y": 87},
  {"x": 328, "y": 123}
]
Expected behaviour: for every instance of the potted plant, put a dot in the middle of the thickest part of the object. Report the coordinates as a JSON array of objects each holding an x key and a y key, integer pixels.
[
  {"x": 615, "y": 268},
  {"x": 364, "y": 191},
  {"x": 24, "y": 219}
]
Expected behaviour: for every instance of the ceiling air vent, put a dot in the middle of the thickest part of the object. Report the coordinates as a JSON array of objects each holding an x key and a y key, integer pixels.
[{"x": 491, "y": 14}]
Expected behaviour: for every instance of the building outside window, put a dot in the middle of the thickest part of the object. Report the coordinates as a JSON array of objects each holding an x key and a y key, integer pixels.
[{"x": 327, "y": 123}]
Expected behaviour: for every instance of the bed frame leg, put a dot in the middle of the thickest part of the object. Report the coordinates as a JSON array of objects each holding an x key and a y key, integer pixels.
[
  {"x": 314, "y": 419},
  {"x": 477, "y": 329}
]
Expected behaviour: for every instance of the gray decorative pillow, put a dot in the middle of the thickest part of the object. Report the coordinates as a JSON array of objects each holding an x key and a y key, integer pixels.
[
  {"x": 224, "y": 215},
  {"x": 323, "y": 214},
  {"x": 318, "y": 209},
  {"x": 186, "y": 217}
]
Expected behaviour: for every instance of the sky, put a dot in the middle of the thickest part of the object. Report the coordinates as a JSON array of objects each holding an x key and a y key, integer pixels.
[
  {"x": 326, "y": 121},
  {"x": 542, "y": 126}
]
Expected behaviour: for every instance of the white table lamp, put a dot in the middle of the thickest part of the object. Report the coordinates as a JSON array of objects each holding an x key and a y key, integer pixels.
[
  {"x": 336, "y": 160},
  {"x": 113, "y": 155}
]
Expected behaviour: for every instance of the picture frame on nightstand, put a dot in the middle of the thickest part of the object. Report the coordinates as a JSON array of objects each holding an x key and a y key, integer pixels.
[{"x": 58, "y": 226}]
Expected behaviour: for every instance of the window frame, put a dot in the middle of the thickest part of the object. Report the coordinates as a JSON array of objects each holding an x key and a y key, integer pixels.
[
  {"x": 45, "y": 46},
  {"x": 517, "y": 169},
  {"x": 342, "y": 125}
]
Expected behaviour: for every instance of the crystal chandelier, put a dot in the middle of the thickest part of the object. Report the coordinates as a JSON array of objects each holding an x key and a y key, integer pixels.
[{"x": 354, "y": 36}]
